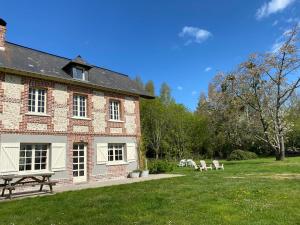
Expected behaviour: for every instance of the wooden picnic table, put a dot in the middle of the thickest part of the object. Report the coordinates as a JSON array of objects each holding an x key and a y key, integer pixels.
[{"x": 12, "y": 181}]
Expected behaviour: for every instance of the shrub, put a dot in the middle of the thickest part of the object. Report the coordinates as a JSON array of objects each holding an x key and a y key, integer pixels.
[
  {"x": 160, "y": 166},
  {"x": 241, "y": 155}
]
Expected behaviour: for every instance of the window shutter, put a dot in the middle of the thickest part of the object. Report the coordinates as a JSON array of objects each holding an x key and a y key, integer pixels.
[
  {"x": 102, "y": 153},
  {"x": 58, "y": 156},
  {"x": 9, "y": 158},
  {"x": 131, "y": 152}
]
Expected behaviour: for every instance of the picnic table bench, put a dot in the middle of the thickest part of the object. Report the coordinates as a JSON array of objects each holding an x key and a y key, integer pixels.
[{"x": 11, "y": 182}]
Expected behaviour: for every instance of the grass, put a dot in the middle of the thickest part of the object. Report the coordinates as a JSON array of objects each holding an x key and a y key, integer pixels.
[{"x": 260, "y": 191}]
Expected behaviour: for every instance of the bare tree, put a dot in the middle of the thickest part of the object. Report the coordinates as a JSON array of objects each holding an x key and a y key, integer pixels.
[{"x": 265, "y": 84}]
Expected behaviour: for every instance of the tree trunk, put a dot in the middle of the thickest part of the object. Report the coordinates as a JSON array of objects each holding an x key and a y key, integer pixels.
[
  {"x": 280, "y": 155},
  {"x": 282, "y": 149}
]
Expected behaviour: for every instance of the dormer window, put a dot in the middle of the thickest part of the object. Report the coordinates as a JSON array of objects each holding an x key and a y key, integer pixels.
[
  {"x": 79, "y": 73},
  {"x": 78, "y": 69}
]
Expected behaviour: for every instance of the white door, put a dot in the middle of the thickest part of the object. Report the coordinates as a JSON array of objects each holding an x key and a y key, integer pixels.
[{"x": 79, "y": 163}]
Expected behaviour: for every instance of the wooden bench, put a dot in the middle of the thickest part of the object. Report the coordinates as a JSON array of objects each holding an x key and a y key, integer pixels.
[{"x": 11, "y": 182}]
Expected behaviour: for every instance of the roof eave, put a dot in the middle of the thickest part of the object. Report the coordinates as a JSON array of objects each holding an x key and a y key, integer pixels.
[{"x": 71, "y": 81}]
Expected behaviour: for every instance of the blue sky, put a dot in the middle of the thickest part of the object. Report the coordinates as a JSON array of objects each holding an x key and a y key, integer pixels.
[{"x": 182, "y": 42}]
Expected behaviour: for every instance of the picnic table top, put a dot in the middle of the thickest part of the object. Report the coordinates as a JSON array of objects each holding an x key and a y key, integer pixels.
[{"x": 30, "y": 174}]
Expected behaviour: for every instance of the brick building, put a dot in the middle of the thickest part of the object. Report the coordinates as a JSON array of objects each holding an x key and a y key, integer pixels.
[{"x": 67, "y": 116}]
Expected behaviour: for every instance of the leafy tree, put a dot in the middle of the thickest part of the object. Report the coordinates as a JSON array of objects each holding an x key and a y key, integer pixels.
[
  {"x": 153, "y": 124},
  {"x": 139, "y": 82},
  {"x": 165, "y": 94},
  {"x": 150, "y": 87}
]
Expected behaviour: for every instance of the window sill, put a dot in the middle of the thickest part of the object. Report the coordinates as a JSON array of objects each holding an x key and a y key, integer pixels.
[
  {"x": 37, "y": 114},
  {"x": 116, "y": 163},
  {"x": 34, "y": 172},
  {"x": 116, "y": 121},
  {"x": 80, "y": 118}
]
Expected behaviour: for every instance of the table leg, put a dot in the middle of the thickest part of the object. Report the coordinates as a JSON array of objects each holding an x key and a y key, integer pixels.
[
  {"x": 50, "y": 184},
  {"x": 10, "y": 189},
  {"x": 10, "y": 193},
  {"x": 42, "y": 184},
  {"x": 3, "y": 190}
]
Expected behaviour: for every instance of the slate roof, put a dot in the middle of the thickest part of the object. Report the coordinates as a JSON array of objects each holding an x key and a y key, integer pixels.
[{"x": 25, "y": 59}]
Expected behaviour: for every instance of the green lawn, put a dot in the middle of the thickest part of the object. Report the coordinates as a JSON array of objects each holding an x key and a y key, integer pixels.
[{"x": 248, "y": 192}]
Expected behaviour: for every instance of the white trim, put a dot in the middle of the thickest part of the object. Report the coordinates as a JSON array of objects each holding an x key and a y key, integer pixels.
[
  {"x": 114, "y": 110},
  {"x": 114, "y": 149},
  {"x": 81, "y": 179},
  {"x": 33, "y": 163},
  {"x": 80, "y": 118},
  {"x": 102, "y": 153},
  {"x": 76, "y": 97},
  {"x": 9, "y": 158},
  {"x": 84, "y": 76},
  {"x": 58, "y": 156},
  {"x": 131, "y": 151},
  {"x": 116, "y": 121},
  {"x": 114, "y": 163},
  {"x": 36, "y": 100}
]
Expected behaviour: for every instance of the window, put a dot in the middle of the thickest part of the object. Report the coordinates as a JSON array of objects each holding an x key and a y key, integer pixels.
[
  {"x": 114, "y": 110},
  {"x": 78, "y": 159},
  {"x": 37, "y": 100},
  {"x": 79, "y": 106},
  {"x": 79, "y": 73},
  {"x": 115, "y": 152},
  {"x": 33, "y": 157}
]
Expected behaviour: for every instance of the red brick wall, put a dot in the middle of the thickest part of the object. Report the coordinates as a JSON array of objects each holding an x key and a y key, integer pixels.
[
  {"x": 117, "y": 171},
  {"x": 86, "y": 137},
  {"x": 49, "y": 86},
  {"x": 2, "y": 77}
]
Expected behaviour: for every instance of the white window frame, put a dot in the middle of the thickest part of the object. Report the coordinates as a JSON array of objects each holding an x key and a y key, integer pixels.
[
  {"x": 111, "y": 158},
  {"x": 77, "y": 107},
  {"x": 114, "y": 110},
  {"x": 33, "y": 158},
  {"x": 83, "y": 73},
  {"x": 36, "y": 100}
]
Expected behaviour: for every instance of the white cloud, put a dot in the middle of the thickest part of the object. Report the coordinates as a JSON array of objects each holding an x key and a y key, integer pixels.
[
  {"x": 292, "y": 20},
  {"x": 276, "y": 46},
  {"x": 275, "y": 23},
  {"x": 280, "y": 41},
  {"x": 271, "y": 7},
  {"x": 207, "y": 69},
  {"x": 179, "y": 88},
  {"x": 194, "y": 92},
  {"x": 194, "y": 34}
]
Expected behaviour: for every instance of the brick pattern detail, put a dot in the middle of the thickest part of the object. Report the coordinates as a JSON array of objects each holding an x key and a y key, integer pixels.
[
  {"x": 71, "y": 122},
  {"x": 137, "y": 118},
  {"x": 110, "y": 124},
  {"x": 2, "y": 77},
  {"x": 73, "y": 126},
  {"x": 88, "y": 141},
  {"x": 73, "y": 90},
  {"x": 117, "y": 171},
  {"x": 30, "y": 119}
]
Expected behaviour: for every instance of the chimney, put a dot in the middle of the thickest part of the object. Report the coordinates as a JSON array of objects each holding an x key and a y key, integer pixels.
[{"x": 2, "y": 34}]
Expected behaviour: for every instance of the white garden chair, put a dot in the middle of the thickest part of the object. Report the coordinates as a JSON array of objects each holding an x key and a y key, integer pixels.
[
  {"x": 203, "y": 165},
  {"x": 217, "y": 165},
  {"x": 190, "y": 162},
  {"x": 193, "y": 164},
  {"x": 182, "y": 163}
]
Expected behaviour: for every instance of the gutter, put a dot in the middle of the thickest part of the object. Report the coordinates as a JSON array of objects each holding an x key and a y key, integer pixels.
[{"x": 71, "y": 81}]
